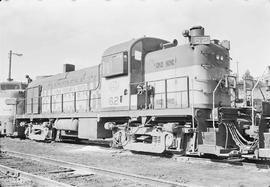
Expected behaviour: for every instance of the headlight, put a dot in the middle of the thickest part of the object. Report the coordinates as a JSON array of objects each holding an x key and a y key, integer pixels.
[
  {"x": 217, "y": 57},
  {"x": 221, "y": 58}
]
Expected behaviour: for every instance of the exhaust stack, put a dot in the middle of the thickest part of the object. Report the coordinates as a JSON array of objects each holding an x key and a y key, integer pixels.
[{"x": 68, "y": 68}]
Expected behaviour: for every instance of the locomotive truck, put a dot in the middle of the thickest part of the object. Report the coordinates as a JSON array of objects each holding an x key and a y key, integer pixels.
[{"x": 150, "y": 95}]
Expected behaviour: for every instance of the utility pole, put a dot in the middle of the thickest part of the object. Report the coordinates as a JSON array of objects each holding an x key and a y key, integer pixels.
[
  {"x": 9, "y": 67},
  {"x": 237, "y": 69}
]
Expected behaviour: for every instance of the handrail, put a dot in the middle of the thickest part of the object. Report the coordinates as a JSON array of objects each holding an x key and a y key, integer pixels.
[
  {"x": 192, "y": 107},
  {"x": 213, "y": 111},
  {"x": 165, "y": 88},
  {"x": 49, "y": 102},
  {"x": 252, "y": 95},
  {"x": 159, "y": 80},
  {"x": 49, "y": 96}
]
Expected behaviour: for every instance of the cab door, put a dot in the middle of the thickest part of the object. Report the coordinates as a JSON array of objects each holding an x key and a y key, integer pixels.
[
  {"x": 139, "y": 93},
  {"x": 137, "y": 96}
]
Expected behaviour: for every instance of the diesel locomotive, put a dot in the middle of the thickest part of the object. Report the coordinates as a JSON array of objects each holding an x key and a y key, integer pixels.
[
  {"x": 10, "y": 92},
  {"x": 150, "y": 95}
]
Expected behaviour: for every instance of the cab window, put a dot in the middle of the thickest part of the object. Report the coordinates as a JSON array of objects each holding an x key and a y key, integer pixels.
[
  {"x": 114, "y": 65},
  {"x": 7, "y": 86},
  {"x": 13, "y": 86}
]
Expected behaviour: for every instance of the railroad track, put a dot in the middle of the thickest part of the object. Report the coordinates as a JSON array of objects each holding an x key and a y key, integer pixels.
[
  {"x": 81, "y": 172},
  {"x": 91, "y": 170},
  {"x": 241, "y": 162},
  {"x": 30, "y": 179}
]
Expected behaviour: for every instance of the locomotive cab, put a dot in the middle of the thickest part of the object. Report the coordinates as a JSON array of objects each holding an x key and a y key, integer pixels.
[
  {"x": 123, "y": 71},
  {"x": 171, "y": 93}
]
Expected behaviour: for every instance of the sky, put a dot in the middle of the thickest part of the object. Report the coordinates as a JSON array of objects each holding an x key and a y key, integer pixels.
[{"x": 51, "y": 33}]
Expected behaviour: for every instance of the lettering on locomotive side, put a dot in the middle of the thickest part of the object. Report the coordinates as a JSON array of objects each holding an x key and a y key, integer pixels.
[
  {"x": 116, "y": 100},
  {"x": 158, "y": 65},
  {"x": 89, "y": 76},
  {"x": 165, "y": 64},
  {"x": 170, "y": 62}
]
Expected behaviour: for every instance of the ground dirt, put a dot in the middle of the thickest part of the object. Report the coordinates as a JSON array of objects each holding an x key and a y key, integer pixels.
[{"x": 183, "y": 170}]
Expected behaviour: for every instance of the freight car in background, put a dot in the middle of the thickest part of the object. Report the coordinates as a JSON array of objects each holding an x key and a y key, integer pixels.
[
  {"x": 10, "y": 93},
  {"x": 150, "y": 95}
]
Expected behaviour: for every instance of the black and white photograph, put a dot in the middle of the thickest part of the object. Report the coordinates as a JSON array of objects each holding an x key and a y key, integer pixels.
[{"x": 135, "y": 93}]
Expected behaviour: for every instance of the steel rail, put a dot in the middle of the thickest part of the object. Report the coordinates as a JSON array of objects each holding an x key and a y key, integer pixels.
[
  {"x": 238, "y": 162},
  {"x": 100, "y": 171},
  {"x": 34, "y": 178}
]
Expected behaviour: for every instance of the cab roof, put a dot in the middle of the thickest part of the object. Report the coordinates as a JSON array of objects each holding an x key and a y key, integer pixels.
[
  {"x": 126, "y": 46},
  {"x": 119, "y": 47}
]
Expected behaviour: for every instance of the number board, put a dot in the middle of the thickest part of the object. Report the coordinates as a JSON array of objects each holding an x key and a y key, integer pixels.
[{"x": 203, "y": 40}]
